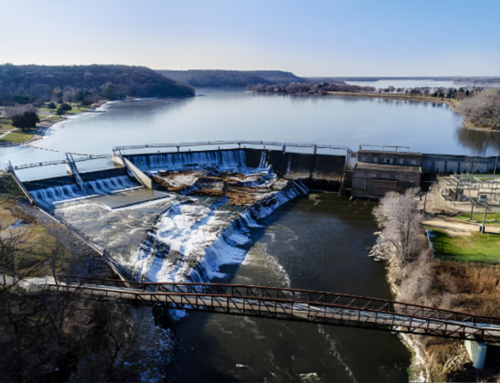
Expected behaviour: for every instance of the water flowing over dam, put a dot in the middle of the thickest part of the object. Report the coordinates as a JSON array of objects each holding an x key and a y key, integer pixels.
[
  {"x": 204, "y": 218},
  {"x": 49, "y": 192},
  {"x": 192, "y": 222}
]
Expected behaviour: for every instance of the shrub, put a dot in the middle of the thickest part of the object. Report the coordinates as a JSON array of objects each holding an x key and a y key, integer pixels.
[{"x": 24, "y": 121}]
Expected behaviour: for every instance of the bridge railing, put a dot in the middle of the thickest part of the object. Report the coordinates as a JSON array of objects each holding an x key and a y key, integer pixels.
[
  {"x": 298, "y": 296},
  {"x": 239, "y": 143},
  {"x": 84, "y": 157}
]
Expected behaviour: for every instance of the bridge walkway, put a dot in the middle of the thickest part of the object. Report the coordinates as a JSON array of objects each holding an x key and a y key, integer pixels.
[{"x": 294, "y": 305}]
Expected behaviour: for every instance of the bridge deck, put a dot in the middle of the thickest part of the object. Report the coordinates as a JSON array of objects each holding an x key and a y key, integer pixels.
[{"x": 294, "y": 304}]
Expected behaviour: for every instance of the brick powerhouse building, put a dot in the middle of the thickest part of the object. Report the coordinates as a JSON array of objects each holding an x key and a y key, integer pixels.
[{"x": 378, "y": 172}]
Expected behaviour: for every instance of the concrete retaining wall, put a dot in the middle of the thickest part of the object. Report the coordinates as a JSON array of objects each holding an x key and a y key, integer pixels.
[
  {"x": 140, "y": 176},
  {"x": 432, "y": 163},
  {"x": 300, "y": 165}
]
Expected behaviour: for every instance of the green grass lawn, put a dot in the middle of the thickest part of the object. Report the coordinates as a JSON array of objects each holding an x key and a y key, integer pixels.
[
  {"x": 477, "y": 247},
  {"x": 46, "y": 110},
  {"x": 4, "y": 128},
  {"x": 76, "y": 110},
  {"x": 72, "y": 111},
  {"x": 5, "y": 124},
  {"x": 490, "y": 218},
  {"x": 486, "y": 176},
  {"x": 18, "y": 136},
  {"x": 53, "y": 118}
]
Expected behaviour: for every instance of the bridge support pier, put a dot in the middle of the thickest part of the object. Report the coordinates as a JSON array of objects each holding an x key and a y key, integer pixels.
[
  {"x": 74, "y": 170},
  {"x": 477, "y": 352}
]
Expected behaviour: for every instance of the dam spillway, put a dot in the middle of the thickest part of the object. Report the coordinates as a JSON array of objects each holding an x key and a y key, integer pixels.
[
  {"x": 198, "y": 207},
  {"x": 164, "y": 234},
  {"x": 47, "y": 192}
]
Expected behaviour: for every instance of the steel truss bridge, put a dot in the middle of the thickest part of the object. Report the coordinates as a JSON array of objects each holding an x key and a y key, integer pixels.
[{"x": 292, "y": 305}]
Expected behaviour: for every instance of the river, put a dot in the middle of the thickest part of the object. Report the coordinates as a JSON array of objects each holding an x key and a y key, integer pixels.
[{"x": 315, "y": 242}]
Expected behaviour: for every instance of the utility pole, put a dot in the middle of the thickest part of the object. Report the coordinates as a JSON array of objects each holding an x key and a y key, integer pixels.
[
  {"x": 483, "y": 229},
  {"x": 425, "y": 200},
  {"x": 495, "y": 168},
  {"x": 471, "y": 201},
  {"x": 470, "y": 187}
]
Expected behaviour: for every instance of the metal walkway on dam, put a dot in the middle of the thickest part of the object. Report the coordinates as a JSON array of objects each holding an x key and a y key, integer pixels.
[{"x": 291, "y": 304}]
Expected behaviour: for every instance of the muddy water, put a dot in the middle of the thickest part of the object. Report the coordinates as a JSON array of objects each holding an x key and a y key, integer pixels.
[{"x": 314, "y": 242}]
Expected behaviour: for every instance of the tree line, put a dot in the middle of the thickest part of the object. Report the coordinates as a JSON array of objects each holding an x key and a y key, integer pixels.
[
  {"x": 342, "y": 86},
  {"x": 230, "y": 78},
  {"x": 83, "y": 83},
  {"x": 310, "y": 88}
]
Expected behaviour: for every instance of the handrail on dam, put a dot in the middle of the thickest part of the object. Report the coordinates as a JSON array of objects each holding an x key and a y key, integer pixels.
[
  {"x": 293, "y": 304},
  {"x": 86, "y": 157},
  {"x": 283, "y": 145}
]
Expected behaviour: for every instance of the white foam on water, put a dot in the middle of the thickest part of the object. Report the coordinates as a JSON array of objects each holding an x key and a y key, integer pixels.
[
  {"x": 201, "y": 240},
  {"x": 335, "y": 352}
]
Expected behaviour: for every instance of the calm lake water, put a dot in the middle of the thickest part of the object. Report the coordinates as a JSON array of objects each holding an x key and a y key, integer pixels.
[{"x": 220, "y": 114}]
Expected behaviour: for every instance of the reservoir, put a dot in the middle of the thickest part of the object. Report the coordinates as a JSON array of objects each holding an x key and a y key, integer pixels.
[
  {"x": 317, "y": 241},
  {"x": 229, "y": 114}
]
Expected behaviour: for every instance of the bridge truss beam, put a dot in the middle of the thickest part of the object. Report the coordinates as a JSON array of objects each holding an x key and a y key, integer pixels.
[{"x": 295, "y": 305}]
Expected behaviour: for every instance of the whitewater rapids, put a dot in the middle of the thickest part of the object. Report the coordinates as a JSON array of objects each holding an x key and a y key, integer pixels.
[{"x": 186, "y": 235}]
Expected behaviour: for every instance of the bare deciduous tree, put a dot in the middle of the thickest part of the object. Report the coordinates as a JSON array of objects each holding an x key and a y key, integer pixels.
[
  {"x": 17, "y": 110},
  {"x": 399, "y": 216},
  {"x": 483, "y": 108}
]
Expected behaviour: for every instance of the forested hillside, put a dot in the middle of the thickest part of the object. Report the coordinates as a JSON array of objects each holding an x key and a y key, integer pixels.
[
  {"x": 37, "y": 83},
  {"x": 230, "y": 78}
]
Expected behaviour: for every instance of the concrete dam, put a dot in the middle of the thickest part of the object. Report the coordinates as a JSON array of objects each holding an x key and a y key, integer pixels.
[
  {"x": 183, "y": 216},
  {"x": 177, "y": 215}
]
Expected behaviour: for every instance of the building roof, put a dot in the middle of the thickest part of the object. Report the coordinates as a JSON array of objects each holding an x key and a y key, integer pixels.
[{"x": 388, "y": 167}]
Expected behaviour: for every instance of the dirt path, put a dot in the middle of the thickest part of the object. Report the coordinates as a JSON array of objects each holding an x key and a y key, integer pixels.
[{"x": 453, "y": 224}]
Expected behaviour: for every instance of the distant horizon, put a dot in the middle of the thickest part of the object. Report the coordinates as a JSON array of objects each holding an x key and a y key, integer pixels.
[
  {"x": 253, "y": 70},
  {"x": 332, "y": 76},
  {"x": 386, "y": 38}
]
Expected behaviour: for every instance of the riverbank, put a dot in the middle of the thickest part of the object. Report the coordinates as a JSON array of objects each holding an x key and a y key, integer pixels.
[
  {"x": 471, "y": 126},
  {"x": 17, "y": 137},
  {"x": 400, "y": 96},
  {"x": 457, "y": 281}
]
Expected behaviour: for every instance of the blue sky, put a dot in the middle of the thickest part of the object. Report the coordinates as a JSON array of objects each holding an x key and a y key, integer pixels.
[{"x": 309, "y": 38}]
